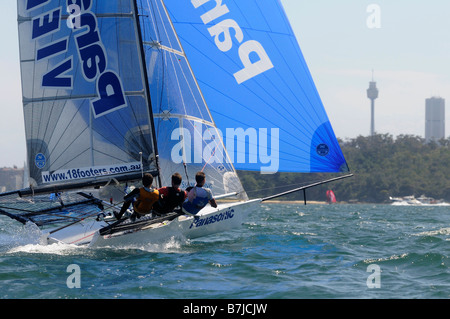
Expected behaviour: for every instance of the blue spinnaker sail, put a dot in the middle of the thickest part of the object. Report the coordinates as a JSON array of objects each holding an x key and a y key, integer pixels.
[{"x": 256, "y": 84}]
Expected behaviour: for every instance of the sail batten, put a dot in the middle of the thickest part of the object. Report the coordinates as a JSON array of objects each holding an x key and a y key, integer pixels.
[{"x": 75, "y": 97}]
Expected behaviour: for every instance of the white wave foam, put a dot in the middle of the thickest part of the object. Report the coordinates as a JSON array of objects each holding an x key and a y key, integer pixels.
[
  {"x": 442, "y": 231},
  {"x": 53, "y": 249},
  {"x": 172, "y": 245}
]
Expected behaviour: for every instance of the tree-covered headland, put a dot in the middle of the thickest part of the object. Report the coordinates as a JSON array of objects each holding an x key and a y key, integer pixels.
[{"x": 382, "y": 167}]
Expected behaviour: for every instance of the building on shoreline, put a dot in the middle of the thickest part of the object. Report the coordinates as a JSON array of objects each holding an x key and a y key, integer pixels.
[
  {"x": 434, "y": 119},
  {"x": 11, "y": 178}
]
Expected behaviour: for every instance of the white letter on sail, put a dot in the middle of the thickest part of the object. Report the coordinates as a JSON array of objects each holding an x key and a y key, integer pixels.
[
  {"x": 224, "y": 27},
  {"x": 252, "y": 69},
  {"x": 218, "y": 11}
]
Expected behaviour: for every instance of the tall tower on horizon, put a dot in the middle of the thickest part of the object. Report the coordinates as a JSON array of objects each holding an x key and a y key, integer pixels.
[
  {"x": 434, "y": 119},
  {"x": 372, "y": 94}
]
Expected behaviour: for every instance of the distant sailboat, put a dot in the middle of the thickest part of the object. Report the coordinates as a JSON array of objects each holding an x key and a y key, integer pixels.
[
  {"x": 331, "y": 198},
  {"x": 112, "y": 89}
]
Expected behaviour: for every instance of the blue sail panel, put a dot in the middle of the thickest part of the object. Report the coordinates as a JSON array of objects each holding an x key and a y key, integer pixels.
[{"x": 256, "y": 84}]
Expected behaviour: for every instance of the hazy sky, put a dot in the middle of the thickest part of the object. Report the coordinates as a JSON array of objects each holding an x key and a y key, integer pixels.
[{"x": 408, "y": 48}]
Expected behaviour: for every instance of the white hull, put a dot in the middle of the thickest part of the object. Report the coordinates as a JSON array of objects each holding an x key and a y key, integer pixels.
[{"x": 208, "y": 221}]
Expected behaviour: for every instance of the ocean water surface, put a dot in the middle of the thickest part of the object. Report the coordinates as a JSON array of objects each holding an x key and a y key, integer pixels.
[{"x": 282, "y": 251}]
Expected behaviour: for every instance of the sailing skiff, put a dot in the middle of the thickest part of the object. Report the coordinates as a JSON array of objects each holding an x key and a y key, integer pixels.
[{"x": 113, "y": 89}]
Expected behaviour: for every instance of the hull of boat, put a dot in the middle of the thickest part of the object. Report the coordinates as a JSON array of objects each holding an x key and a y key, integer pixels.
[{"x": 227, "y": 216}]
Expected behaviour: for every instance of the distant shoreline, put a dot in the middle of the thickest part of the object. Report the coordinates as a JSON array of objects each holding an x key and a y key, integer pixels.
[{"x": 313, "y": 202}]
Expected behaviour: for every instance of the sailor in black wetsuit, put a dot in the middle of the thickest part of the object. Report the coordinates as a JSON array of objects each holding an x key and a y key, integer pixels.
[{"x": 170, "y": 197}]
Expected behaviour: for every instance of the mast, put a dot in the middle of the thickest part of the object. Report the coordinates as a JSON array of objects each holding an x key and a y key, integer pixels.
[{"x": 146, "y": 86}]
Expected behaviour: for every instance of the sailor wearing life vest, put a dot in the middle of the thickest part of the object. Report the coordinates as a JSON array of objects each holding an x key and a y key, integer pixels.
[
  {"x": 170, "y": 197},
  {"x": 144, "y": 198},
  {"x": 198, "y": 196}
]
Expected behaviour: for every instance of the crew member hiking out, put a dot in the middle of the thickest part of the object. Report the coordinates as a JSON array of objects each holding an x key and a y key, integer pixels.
[
  {"x": 198, "y": 196},
  {"x": 143, "y": 199},
  {"x": 170, "y": 197}
]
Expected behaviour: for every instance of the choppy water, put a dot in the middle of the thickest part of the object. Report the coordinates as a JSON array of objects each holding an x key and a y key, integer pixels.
[{"x": 282, "y": 251}]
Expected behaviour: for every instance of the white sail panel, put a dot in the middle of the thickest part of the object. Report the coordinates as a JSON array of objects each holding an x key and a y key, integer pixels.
[{"x": 85, "y": 106}]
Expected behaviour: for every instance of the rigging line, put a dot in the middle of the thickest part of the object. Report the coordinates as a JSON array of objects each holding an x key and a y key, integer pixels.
[
  {"x": 155, "y": 25},
  {"x": 285, "y": 186},
  {"x": 212, "y": 155},
  {"x": 202, "y": 105},
  {"x": 31, "y": 212},
  {"x": 177, "y": 66},
  {"x": 183, "y": 103}
]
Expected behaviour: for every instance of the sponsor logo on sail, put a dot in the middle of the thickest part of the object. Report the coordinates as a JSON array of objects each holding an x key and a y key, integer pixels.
[
  {"x": 88, "y": 172},
  {"x": 53, "y": 46},
  {"x": 322, "y": 149},
  {"x": 40, "y": 160},
  {"x": 252, "y": 54}
]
